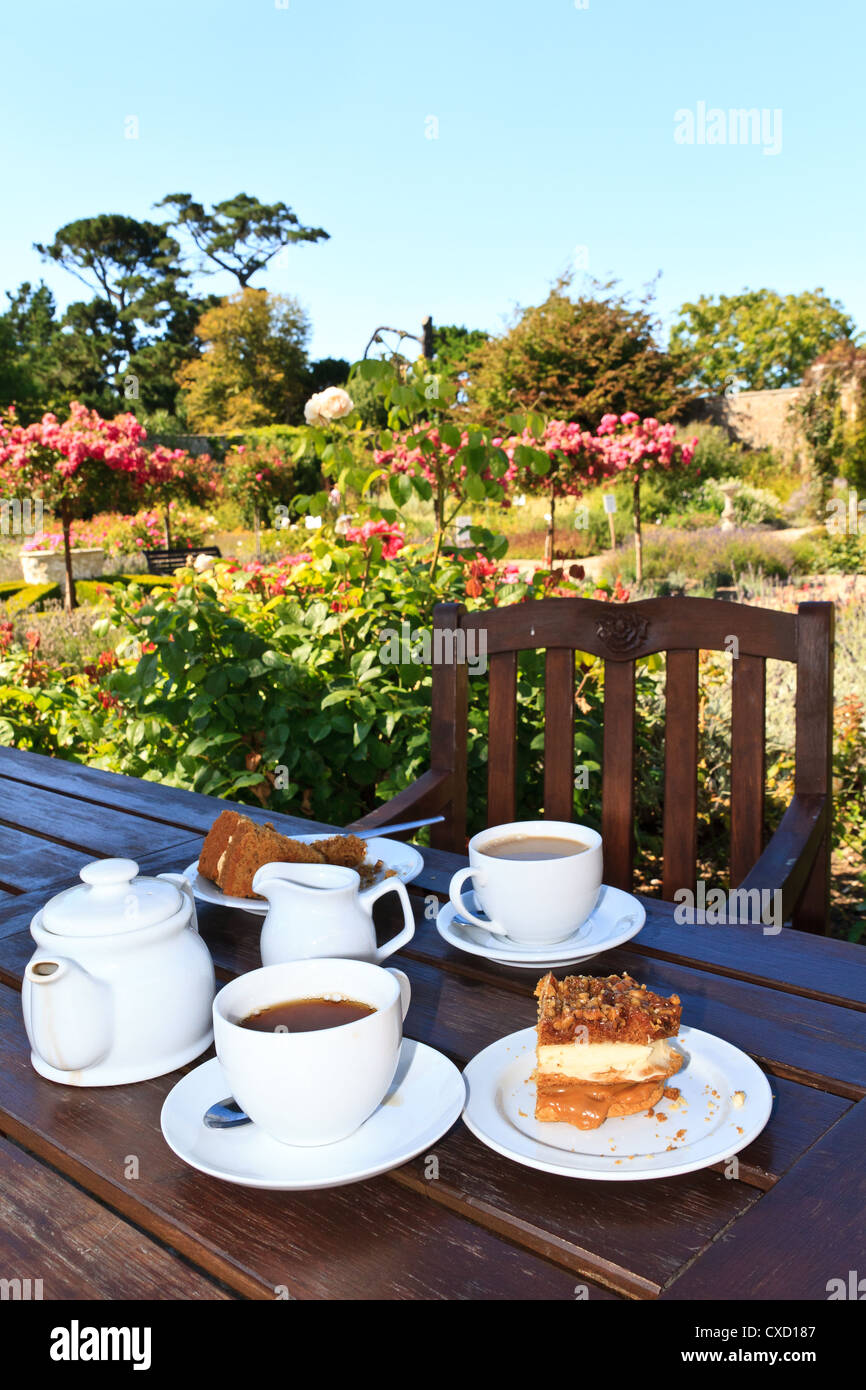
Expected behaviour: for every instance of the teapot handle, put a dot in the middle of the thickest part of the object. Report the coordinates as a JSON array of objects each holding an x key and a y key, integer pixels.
[
  {"x": 186, "y": 888},
  {"x": 371, "y": 895}
]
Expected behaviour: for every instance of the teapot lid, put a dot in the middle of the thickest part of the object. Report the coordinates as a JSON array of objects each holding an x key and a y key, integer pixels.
[{"x": 111, "y": 900}]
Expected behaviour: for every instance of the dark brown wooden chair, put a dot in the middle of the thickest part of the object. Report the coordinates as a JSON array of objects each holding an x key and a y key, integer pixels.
[{"x": 797, "y": 858}]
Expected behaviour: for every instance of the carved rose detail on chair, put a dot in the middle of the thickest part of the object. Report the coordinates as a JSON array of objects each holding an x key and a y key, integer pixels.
[{"x": 622, "y": 632}]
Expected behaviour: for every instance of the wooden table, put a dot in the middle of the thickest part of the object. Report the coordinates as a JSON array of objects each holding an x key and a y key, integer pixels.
[{"x": 792, "y": 1220}]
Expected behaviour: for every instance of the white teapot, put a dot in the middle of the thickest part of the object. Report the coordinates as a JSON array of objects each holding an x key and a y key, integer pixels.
[
  {"x": 318, "y": 910},
  {"x": 121, "y": 986}
]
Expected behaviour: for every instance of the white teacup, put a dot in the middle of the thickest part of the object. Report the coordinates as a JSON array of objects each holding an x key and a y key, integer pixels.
[
  {"x": 532, "y": 900},
  {"x": 317, "y": 1087}
]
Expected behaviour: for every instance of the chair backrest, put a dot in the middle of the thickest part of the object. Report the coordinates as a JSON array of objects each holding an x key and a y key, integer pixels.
[
  {"x": 619, "y": 634},
  {"x": 167, "y": 561}
]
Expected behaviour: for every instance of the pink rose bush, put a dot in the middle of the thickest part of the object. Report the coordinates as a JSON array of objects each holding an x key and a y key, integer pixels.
[
  {"x": 392, "y": 536},
  {"x": 629, "y": 445},
  {"x": 626, "y": 443},
  {"x": 564, "y": 460},
  {"x": 80, "y": 464}
]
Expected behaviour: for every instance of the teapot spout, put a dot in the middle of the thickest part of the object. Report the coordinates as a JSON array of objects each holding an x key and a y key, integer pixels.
[{"x": 67, "y": 1013}]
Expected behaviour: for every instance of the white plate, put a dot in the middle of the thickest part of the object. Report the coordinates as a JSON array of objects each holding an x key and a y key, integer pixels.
[
  {"x": 616, "y": 918},
  {"x": 706, "y": 1128},
  {"x": 426, "y": 1097},
  {"x": 405, "y": 860}
]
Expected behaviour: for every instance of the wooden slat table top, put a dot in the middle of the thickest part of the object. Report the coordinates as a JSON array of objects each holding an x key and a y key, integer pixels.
[
  {"x": 488, "y": 1228},
  {"x": 54, "y": 1232}
]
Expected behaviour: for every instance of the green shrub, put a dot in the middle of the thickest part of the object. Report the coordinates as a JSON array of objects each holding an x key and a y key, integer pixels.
[
  {"x": 819, "y": 553},
  {"x": 32, "y": 596},
  {"x": 287, "y": 439},
  {"x": 146, "y": 581}
]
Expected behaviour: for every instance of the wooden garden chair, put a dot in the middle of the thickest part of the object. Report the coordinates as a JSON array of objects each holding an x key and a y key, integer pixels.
[{"x": 797, "y": 858}]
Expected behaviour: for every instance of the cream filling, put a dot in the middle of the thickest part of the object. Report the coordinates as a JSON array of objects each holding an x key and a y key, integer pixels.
[{"x": 600, "y": 1061}]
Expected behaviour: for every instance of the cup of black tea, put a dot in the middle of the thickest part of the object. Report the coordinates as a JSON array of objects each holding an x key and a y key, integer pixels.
[
  {"x": 537, "y": 881},
  {"x": 310, "y": 1047}
]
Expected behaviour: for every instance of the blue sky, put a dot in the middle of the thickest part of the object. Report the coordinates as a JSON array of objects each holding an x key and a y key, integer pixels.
[{"x": 554, "y": 132}]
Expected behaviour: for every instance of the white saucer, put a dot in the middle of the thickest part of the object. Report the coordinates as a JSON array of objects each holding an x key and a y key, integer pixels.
[
  {"x": 616, "y": 918},
  {"x": 707, "y": 1126},
  {"x": 426, "y": 1097},
  {"x": 405, "y": 860}
]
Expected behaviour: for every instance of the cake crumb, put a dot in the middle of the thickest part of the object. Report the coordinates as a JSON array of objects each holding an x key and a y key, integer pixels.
[{"x": 738, "y": 1099}]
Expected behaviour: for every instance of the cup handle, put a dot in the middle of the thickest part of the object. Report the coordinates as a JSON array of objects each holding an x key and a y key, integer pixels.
[
  {"x": 405, "y": 987},
  {"x": 457, "y": 903},
  {"x": 367, "y": 899}
]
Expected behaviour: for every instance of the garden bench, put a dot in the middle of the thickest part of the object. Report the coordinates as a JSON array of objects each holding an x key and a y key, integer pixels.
[
  {"x": 167, "y": 561},
  {"x": 796, "y": 861}
]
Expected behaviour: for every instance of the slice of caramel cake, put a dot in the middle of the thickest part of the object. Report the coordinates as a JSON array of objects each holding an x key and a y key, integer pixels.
[{"x": 602, "y": 1048}]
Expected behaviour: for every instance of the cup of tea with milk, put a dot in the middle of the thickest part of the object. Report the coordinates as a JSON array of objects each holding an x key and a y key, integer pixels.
[{"x": 536, "y": 881}]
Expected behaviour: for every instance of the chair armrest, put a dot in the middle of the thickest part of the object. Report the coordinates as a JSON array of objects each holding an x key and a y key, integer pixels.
[
  {"x": 424, "y": 797},
  {"x": 789, "y": 856}
]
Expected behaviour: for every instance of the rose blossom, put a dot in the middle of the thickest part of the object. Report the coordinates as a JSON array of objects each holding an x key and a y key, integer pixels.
[{"x": 325, "y": 406}]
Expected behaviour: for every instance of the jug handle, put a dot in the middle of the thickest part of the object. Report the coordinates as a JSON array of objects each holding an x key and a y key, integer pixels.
[{"x": 371, "y": 895}]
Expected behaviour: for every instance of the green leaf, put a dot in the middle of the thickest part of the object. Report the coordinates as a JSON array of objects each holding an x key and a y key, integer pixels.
[
  {"x": 400, "y": 488},
  {"x": 475, "y": 488},
  {"x": 422, "y": 487},
  {"x": 373, "y": 369},
  {"x": 216, "y": 681}
]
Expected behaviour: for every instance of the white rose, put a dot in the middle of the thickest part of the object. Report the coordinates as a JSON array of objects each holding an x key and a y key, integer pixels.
[
  {"x": 331, "y": 404},
  {"x": 203, "y": 562}
]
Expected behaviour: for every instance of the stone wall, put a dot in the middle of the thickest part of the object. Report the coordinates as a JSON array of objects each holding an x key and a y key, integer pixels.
[{"x": 758, "y": 419}]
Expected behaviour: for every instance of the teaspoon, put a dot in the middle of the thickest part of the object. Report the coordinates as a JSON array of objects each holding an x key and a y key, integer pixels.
[{"x": 225, "y": 1114}]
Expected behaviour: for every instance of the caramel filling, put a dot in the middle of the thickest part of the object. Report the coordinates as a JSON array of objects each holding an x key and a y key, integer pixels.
[{"x": 586, "y": 1104}]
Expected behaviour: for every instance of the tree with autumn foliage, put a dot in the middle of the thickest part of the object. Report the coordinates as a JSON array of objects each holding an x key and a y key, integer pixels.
[
  {"x": 253, "y": 369},
  {"x": 577, "y": 359}
]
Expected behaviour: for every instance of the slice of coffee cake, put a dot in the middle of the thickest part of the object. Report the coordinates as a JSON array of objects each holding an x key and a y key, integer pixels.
[{"x": 236, "y": 847}]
